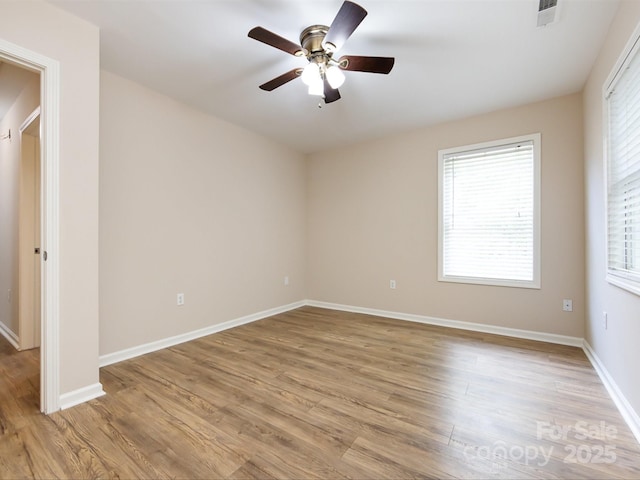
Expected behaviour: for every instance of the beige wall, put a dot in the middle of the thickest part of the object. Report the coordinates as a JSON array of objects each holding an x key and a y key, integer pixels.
[
  {"x": 190, "y": 204},
  {"x": 47, "y": 30},
  {"x": 617, "y": 347},
  {"x": 26, "y": 103},
  {"x": 373, "y": 216}
]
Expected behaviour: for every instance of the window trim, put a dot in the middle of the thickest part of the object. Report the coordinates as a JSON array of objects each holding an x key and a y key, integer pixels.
[
  {"x": 631, "y": 49},
  {"x": 531, "y": 284}
]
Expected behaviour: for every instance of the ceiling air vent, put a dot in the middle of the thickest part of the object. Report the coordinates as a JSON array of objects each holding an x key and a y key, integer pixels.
[{"x": 547, "y": 11}]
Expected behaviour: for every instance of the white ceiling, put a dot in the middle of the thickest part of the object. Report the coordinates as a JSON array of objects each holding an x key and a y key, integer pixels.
[{"x": 454, "y": 58}]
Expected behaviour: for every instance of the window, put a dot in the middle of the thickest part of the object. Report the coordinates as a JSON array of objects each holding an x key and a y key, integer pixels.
[
  {"x": 489, "y": 213},
  {"x": 622, "y": 101}
]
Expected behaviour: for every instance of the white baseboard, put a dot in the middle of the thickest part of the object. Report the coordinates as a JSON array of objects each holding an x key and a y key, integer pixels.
[
  {"x": 11, "y": 337},
  {"x": 442, "y": 322},
  {"x": 626, "y": 410},
  {"x": 133, "y": 352},
  {"x": 84, "y": 394}
]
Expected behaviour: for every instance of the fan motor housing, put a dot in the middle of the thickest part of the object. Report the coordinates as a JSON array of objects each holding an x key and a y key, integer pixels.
[{"x": 311, "y": 39}]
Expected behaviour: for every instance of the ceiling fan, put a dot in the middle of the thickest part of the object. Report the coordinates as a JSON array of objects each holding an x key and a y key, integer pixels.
[{"x": 318, "y": 43}]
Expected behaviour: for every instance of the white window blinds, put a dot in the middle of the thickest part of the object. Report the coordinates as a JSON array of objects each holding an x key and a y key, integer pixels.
[
  {"x": 488, "y": 218},
  {"x": 623, "y": 172}
]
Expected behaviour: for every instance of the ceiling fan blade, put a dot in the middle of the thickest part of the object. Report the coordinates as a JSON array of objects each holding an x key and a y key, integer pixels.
[
  {"x": 347, "y": 20},
  {"x": 281, "y": 80},
  {"x": 356, "y": 63},
  {"x": 265, "y": 36},
  {"x": 330, "y": 94}
]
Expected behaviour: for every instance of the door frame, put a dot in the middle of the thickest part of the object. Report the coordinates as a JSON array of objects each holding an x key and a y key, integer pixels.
[{"x": 49, "y": 70}]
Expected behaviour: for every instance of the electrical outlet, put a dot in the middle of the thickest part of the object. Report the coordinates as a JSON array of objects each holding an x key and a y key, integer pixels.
[
  {"x": 286, "y": 281},
  {"x": 567, "y": 305},
  {"x": 392, "y": 284},
  {"x": 180, "y": 299},
  {"x": 605, "y": 320},
  {"x": 9, "y": 295}
]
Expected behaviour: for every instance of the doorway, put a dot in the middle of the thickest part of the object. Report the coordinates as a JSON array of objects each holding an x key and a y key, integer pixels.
[
  {"x": 29, "y": 288},
  {"x": 49, "y": 70}
]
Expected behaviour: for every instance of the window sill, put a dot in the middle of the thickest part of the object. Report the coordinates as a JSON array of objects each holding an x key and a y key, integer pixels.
[
  {"x": 493, "y": 282},
  {"x": 624, "y": 283}
]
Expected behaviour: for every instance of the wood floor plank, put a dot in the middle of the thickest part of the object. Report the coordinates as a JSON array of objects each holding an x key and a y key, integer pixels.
[
  {"x": 371, "y": 419},
  {"x": 394, "y": 457},
  {"x": 14, "y": 458},
  {"x": 315, "y": 393}
]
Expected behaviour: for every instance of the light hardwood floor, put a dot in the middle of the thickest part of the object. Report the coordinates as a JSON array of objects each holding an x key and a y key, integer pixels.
[{"x": 316, "y": 393}]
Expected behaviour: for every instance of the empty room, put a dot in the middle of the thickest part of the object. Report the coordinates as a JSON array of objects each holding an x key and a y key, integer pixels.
[{"x": 332, "y": 239}]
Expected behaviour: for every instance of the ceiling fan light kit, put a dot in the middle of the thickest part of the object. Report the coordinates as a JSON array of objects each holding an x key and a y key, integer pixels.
[{"x": 323, "y": 75}]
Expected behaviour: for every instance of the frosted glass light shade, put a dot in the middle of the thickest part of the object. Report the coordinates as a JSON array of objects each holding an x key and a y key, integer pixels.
[
  {"x": 317, "y": 88},
  {"x": 310, "y": 74},
  {"x": 335, "y": 77}
]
